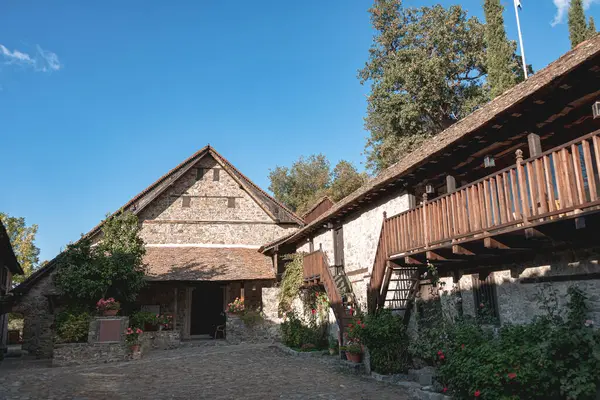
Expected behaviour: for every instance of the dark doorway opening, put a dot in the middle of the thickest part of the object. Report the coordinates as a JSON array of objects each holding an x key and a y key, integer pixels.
[{"x": 207, "y": 309}]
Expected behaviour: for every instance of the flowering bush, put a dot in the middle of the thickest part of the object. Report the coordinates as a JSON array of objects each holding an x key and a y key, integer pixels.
[
  {"x": 236, "y": 306},
  {"x": 354, "y": 347},
  {"x": 551, "y": 358},
  {"x": 108, "y": 304},
  {"x": 295, "y": 333},
  {"x": 132, "y": 336}
]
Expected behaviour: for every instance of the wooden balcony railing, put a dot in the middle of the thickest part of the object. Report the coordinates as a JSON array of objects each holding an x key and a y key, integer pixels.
[
  {"x": 556, "y": 183},
  {"x": 316, "y": 268}
]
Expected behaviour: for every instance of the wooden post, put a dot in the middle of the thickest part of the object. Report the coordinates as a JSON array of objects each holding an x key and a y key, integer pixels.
[
  {"x": 175, "y": 310},
  {"x": 535, "y": 145},
  {"x": 425, "y": 231},
  {"x": 242, "y": 292},
  {"x": 450, "y": 184},
  {"x": 522, "y": 186}
]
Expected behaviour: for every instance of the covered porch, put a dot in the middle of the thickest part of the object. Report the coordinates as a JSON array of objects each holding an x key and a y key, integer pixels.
[{"x": 194, "y": 285}]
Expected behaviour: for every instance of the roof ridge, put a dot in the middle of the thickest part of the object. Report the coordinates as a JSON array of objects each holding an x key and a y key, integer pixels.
[
  {"x": 249, "y": 181},
  {"x": 316, "y": 204}
]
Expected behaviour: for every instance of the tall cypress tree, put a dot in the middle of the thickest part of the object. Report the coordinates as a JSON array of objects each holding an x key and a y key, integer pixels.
[
  {"x": 578, "y": 30},
  {"x": 591, "y": 27},
  {"x": 500, "y": 53}
]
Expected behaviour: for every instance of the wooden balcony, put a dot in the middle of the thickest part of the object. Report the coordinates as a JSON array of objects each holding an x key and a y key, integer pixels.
[{"x": 521, "y": 201}]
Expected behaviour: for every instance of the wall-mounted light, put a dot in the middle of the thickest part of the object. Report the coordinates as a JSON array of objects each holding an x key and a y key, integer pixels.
[
  {"x": 253, "y": 287},
  {"x": 596, "y": 110},
  {"x": 429, "y": 189},
  {"x": 489, "y": 162}
]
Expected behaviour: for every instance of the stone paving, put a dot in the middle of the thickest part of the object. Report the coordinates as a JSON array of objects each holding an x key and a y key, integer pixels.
[{"x": 208, "y": 372}]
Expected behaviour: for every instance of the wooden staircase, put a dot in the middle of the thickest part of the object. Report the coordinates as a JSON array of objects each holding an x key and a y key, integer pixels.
[
  {"x": 337, "y": 286},
  {"x": 391, "y": 286}
]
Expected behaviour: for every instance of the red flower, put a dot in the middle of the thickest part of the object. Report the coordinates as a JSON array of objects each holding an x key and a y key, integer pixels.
[
  {"x": 313, "y": 311},
  {"x": 481, "y": 305},
  {"x": 350, "y": 326},
  {"x": 362, "y": 326},
  {"x": 444, "y": 390},
  {"x": 477, "y": 393},
  {"x": 440, "y": 352},
  {"x": 358, "y": 322},
  {"x": 462, "y": 346},
  {"x": 512, "y": 375},
  {"x": 442, "y": 357}
]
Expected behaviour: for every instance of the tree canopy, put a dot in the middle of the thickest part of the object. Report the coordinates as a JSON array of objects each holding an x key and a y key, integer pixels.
[
  {"x": 425, "y": 68},
  {"x": 310, "y": 178},
  {"x": 111, "y": 268},
  {"x": 22, "y": 239},
  {"x": 578, "y": 29}
]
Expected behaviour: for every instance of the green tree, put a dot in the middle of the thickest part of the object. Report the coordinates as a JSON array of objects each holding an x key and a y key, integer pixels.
[
  {"x": 500, "y": 58},
  {"x": 578, "y": 30},
  {"x": 591, "y": 27},
  {"x": 310, "y": 178},
  {"x": 111, "y": 268},
  {"x": 22, "y": 238},
  {"x": 426, "y": 68}
]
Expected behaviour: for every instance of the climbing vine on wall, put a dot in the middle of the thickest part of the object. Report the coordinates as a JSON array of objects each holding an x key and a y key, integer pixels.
[{"x": 291, "y": 281}]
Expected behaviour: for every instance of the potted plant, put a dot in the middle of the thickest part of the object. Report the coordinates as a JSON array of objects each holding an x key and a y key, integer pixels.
[
  {"x": 354, "y": 352},
  {"x": 236, "y": 306},
  {"x": 132, "y": 337},
  {"x": 108, "y": 307},
  {"x": 333, "y": 345}
]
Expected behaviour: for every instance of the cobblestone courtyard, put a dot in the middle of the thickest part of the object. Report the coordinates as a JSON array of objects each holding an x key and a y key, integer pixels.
[{"x": 208, "y": 372}]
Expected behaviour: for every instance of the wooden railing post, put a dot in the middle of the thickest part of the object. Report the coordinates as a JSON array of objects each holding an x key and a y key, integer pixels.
[
  {"x": 522, "y": 186},
  {"x": 425, "y": 224}
]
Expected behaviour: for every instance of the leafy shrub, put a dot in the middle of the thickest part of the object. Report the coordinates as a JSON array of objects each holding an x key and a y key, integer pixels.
[
  {"x": 385, "y": 336},
  {"x": 141, "y": 318},
  {"x": 295, "y": 333},
  {"x": 251, "y": 317},
  {"x": 291, "y": 281},
  {"x": 72, "y": 326},
  {"x": 551, "y": 358}
]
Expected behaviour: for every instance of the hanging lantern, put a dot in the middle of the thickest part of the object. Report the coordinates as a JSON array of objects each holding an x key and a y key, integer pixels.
[
  {"x": 596, "y": 110},
  {"x": 489, "y": 162}
]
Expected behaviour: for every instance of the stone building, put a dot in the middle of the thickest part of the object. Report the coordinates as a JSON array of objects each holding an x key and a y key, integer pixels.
[
  {"x": 499, "y": 227},
  {"x": 9, "y": 266},
  {"x": 202, "y": 224}
]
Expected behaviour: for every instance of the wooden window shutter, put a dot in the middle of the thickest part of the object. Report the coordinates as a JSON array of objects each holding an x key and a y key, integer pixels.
[
  {"x": 186, "y": 201},
  {"x": 216, "y": 176},
  {"x": 231, "y": 202},
  {"x": 199, "y": 173}
]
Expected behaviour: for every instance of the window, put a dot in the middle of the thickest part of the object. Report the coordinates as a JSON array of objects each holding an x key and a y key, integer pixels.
[
  {"x": 486, "y": 303},
  {"x": 216, "y": 174},
  {"x": 185, "y": 201},
  {"x": 231, "y": 202},
  {"x": 200, "y": 174}
]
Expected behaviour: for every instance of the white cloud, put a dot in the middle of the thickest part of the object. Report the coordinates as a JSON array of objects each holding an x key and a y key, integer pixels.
[
  {"x": 562, "y": 9},
  {"x": 40, "y": 60}
]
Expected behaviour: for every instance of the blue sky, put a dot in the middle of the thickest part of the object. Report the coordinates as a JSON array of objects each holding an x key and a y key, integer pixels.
[{"x": 98, "y": 99}]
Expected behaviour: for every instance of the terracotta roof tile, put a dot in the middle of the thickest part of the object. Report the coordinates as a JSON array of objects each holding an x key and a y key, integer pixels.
[{"x": 206, "y": 264}]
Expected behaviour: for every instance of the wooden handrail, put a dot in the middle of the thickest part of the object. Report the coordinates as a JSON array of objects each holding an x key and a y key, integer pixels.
[
  {"x": 556, "y": 182},
  {"x": 317, "y": 265}
]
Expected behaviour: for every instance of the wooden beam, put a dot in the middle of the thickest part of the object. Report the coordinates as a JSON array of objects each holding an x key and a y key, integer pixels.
[
  {"x": 491, "y": 243},
  {"x": 412, "y": 260},
  {"x": 431, "y": 255},
  {"x": 460, "y": 250}
]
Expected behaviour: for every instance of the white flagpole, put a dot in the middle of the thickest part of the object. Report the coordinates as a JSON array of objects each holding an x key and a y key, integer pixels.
[{"x": 520, "y": 38}]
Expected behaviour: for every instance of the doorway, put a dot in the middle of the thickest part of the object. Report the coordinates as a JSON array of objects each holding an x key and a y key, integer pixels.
[{"x": 206, "y": 309}]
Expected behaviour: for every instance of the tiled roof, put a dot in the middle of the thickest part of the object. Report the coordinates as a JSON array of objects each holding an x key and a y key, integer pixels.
[
  {"x": 7, "y": 255},
  {"x": 584, "y": 52},
  {"x": 206, "y": 264}
]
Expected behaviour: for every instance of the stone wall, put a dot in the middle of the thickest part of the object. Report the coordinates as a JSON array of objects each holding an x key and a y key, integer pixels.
[
  {"x": 244, "y": 233},
  {"x": 88, "y": 353},
  {"x": 262, "y": 332},
  {"x": 361, "y": 236},
  {"x": 208, "y": 219},
  {"x": 38, "y": 320},
  {"x": 163, "y": 340}
]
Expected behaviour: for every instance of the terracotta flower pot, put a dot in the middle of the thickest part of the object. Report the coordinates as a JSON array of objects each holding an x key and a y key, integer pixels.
[
  {"x": 355, "y": 358},
  {"x": 110, "y": 313},
  {"x": 135, "y": 348}
]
